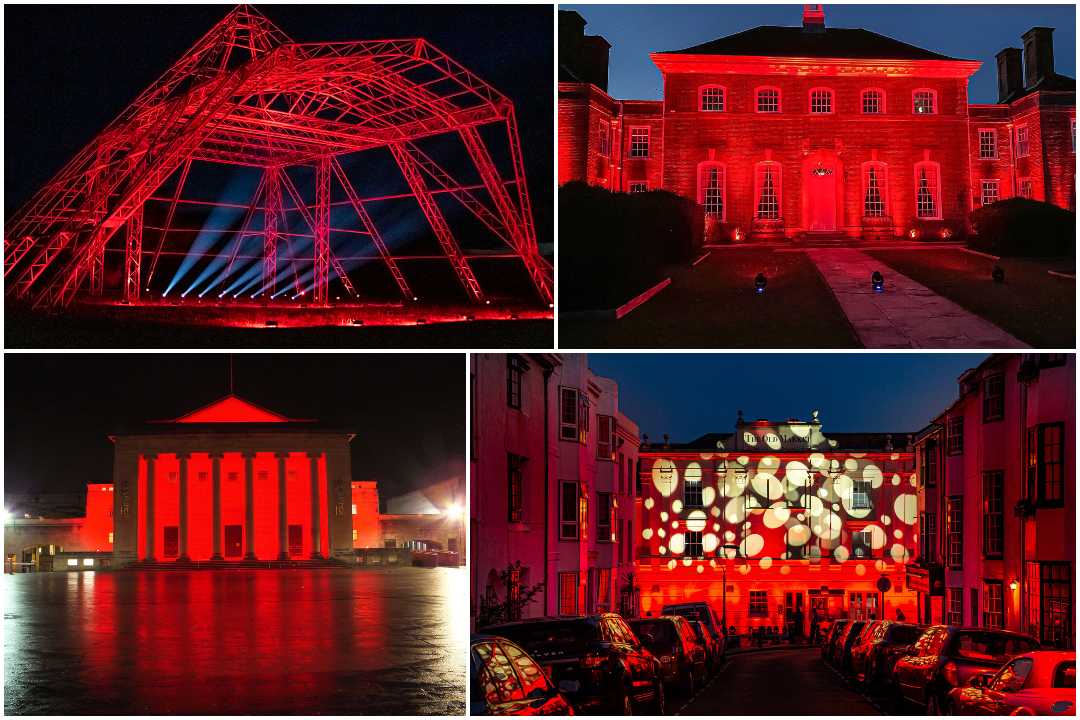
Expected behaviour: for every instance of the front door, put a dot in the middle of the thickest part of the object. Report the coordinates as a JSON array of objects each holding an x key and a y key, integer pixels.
[
  {"x": 793, "y": 613},
  {"x": 296, "y": 540},
  {"x": 172, "y": 541},
  {"x": 821, "y": 183},
  {"x": 234, "y": 541}
]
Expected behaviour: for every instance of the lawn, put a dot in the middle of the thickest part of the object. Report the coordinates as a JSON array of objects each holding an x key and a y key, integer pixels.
[
  {"x": 1031, "y": 305},
  {"x": 713, "y": 305}
]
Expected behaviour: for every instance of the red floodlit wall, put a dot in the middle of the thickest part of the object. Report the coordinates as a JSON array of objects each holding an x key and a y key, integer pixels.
[
  {"x": 819, "y": 525},
  {"x": 365, "y": 520},
  {"x": 97, "y": 530}
]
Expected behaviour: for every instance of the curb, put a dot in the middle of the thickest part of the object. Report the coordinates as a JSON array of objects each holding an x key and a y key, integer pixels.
[
  {"x": 980, "y": 254},
  {"x": 1057, "y": 273},
  {"x": 627, "y": 308}
]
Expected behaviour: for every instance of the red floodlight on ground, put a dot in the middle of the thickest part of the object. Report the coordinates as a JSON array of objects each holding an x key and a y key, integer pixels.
[{"x": 247, "y": 95}]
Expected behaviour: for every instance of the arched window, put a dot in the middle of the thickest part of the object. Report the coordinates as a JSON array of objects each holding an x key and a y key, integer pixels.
[
  {"x": 767, "y": 190},
  {"x": 873, "y": 101},
  {"x": 928, "y": 190},
  {"x": 768, "y": 99},
  {"x": 875, "y": 189},
  {"x": 711, "y": 189},
  {"x": 821, "y": 101},
  {"x": 924, "y": 101},
  {"x": 712, "y": 98}
]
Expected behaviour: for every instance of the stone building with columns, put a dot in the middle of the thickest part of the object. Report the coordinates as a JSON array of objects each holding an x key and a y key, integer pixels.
[{"x": 231, "y": 482}]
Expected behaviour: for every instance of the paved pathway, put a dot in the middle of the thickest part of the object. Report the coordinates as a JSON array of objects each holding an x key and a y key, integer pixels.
[{"x": 907, "y": 314}]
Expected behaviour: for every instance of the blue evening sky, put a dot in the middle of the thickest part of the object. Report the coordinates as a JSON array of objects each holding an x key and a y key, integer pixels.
[
  {"x": 688, "y": 395},
  {"x": 975, "y": 32}
]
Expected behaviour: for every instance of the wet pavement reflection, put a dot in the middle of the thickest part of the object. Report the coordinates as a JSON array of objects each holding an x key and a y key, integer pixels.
[{"x": 334, "y": 642}]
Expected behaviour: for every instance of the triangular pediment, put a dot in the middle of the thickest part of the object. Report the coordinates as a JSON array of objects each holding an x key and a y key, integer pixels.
[{"x": 231, "y": 409}]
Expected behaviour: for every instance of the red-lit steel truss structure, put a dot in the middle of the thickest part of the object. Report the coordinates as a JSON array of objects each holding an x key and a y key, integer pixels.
[{"x": 247, "y": 95}]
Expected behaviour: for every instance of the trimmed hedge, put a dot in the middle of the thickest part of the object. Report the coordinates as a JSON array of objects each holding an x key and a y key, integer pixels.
[
  {"x": 614, "y": 246},
  {"x": 1019, "y": 227}
]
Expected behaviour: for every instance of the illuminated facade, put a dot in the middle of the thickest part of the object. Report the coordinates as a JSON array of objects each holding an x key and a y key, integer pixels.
[
  {"x": 553, "y": 463},
  {"x": 787, "y": 131},
  {"x": 777, "y": 523},
  {"x": 998, "y": 500}
]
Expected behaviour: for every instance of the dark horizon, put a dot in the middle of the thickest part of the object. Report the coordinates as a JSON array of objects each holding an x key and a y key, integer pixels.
[
  {"x": 973, "y": 32},
  {"x": 689, "y": 395},
  {"x": 406, "y": 410}
]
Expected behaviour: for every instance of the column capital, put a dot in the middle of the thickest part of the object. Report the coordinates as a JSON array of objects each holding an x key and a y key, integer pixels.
[
  {"x": 282, "y": 454},
  {"x": 183, "y": 455},
  {"x": 150, "y": 456},
  {"x": 312, "y": 455},
  {"x": 216, "y": 455},
  {"x": 247, "y": 454}
]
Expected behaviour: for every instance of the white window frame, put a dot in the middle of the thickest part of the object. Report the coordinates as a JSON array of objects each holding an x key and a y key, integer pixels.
[
  {"x": 636, "y": 154},
  {"x": 933, "y": 101},
  {"x": 987, "y": 185},
  {"x": 993, "y": 146},
  {"x": 723, "y": 99},
  {"x": 779, "y": 100},
  {"x": 603, "y": 145},
  {"x": 935, "y": 189},
  {"x": 883, "y": 186},
  {"x": 569, "y": 529},
  {"x": 568, "y": 430},
  {"x": 1023, "y": 147},
  {"x": 881, "y": 101},
  {"x": 825, "y": 94},
  {"x": 638, "y": 186},
  {"x": 1020, "y": 183},
  {"x": 703, "y": 171},
  {"x": 759, "y": 177}
]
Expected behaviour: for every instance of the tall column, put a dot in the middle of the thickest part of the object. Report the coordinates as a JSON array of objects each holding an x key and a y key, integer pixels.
[
  {"x": 249, "y": 505},
  {"x": 184, "y": 457},
  {"x": 316, "y": 515},
  {"x": 283, "y": 511},
  {"x": 215, "y": 460},
  {"x": 150, "y": 481}
]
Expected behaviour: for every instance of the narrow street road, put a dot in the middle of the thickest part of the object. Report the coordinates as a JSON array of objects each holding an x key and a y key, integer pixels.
[{"x": 776, "y": 682}]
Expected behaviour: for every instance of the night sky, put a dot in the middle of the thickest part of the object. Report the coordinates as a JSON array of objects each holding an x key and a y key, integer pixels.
[
  {"x": 975, "y": 32},
  {"x": 71, "y": 69},
  {"x": 688, "y": 395},
  {"x": 408, "y": 411}
]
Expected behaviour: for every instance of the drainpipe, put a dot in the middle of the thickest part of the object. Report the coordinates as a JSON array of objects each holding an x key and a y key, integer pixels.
[
  {"x": 547, "y": 492},
  {"x": 622, "y": 139},
  {"x": 1022, "y": 423},
  {"x": 1012, "y": 164}
]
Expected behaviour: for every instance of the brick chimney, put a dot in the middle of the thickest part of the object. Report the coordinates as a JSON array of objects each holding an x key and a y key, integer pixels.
[
  {"x": 813, "y": 18},
  {"x": 1038, "y": 55},
  {"x": 1010, "y": 73},
  {"x": 586, "y": 56}
]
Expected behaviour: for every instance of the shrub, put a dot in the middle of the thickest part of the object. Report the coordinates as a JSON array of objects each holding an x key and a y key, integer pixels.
[
  {"x": 1019, "y": 227},
  {"x": 613, "y": 246}
]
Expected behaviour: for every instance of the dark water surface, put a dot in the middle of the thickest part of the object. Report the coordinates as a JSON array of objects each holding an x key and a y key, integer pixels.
[{"x": 332, "y": 642}]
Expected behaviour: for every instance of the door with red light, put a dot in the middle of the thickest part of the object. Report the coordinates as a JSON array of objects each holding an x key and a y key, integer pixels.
[
  {"x": 172, "y": 541},
  {"x": 821, "y": 186},
  {"x": 296, "y": 540},
  {"x": 234, "y": 541}
]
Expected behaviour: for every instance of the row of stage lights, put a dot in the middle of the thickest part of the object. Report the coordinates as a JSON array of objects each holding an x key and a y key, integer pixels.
[{"x": 877, "y": 280}]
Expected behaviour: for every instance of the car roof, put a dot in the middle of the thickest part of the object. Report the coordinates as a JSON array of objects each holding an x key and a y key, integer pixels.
[{"x": 1046, "y": 663}]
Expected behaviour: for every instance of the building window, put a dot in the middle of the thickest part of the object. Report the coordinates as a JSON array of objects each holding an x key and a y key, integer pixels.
[
  {"x": 875, "y": 181},
  {"x": 1023, "y": 146},
  {"x": 994, "y": 608},
  {"x": 73, "y": 562},
  {"x": 927, "y": 191},
  {"x": 568, "y": 510},
  {"x": 924, "y": 102},
  {"x": 821, "y": 101},
  {"x": 110, "y": 537},
  {"x": 861, "y": 544},
  {"x": 692, "y": 492},
  {"x": 954, "y": 438},
  {"x": 354, "y": 508},
  {"x": 603, "y": 517},
  {"x": 860, "y": 495},
  {"x": 974, "y": 607},
  {"x": 954, "y": 532},
  {"x": 515, "y": 370},
  {"x": 1049, "y": 603},
  {"x": 993, "y": 513},
  {"x": 930, "y": 464},
  {"x": 568, "y": 593},
  {"x": 605, "y": 437},
  {"x": 515, "y": 484},
  {"x": 994, "y": 397},
  {"x": 759, "y": 603},
  {"x": 711, "y": 179},
  {"x": 88, "y": 562},
  {"x": 568, "y": 414},
  {"x": 355, "y": 534},
  {"x": 955, "y": 607},
  {"x": 639, "y": 142},
  {"x": 1046, "y": 464},
  {"x": 768, "y": 100},
  {"x": 1025, "y": 188},
  {"x": 989, "y": 193},
  {"x": 768, "y": 191},
  {"x": 603, "y": 139},
  {"x": 639, "y": 187},
  {"x": 928, "y": 533},
  {"x": 988, "y": 144},
  {"x": 873, "y": 102},
  {"x": 693, "y": 547},
  {"x": 712, "y": 98}
]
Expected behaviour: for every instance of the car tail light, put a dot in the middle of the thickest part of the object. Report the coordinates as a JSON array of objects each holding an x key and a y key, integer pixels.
[
  {"x": 666, "y": 659},
  {"x": 948, "y": 671},
  {"x": 1023, "y": 711},
  {"x": 592, "y": 661}
]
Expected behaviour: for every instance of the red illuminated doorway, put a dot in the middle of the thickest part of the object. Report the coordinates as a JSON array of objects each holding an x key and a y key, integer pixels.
[
  {"x": 234, "y": 541},
  {"x": 821, "y": 195},
  {"x": 296, "y": 540},
  {"x": 172, "y": 541}
]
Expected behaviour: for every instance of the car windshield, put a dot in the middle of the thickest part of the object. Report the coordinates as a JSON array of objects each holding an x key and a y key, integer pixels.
[
  {"x": 1065, "y": 675},
  {"x": 903, "y": 634},
  {"x": 655, "y": 633},
  {"x": 690, "y": 613},
  {"x": 564, "y": 636},
  {"x": 990, "y": 646}
]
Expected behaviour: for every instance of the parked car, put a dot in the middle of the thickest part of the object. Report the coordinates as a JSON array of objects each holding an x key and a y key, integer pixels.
[
  {"x": 946, "y": 656},
  {"x": 843, "y": 643},
  {"x": 873, "y": 656},
  {"x": 595, "y": 661},
  {"x": 704, "y": 613},
  {"x": 504, "y": 680},
  {"x": 714, "y": 649},
  {"x": 835, "y": 629},
  {"x": 671, "y": 639},
  {"x": 860, "y": 637},
  {"x": 1035, "y": 683}
]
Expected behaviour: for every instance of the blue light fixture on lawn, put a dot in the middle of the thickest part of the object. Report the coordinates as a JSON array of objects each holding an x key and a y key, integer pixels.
[
  {"x": 878, "y": 281},
  {"x": 759, "y": 283}
]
